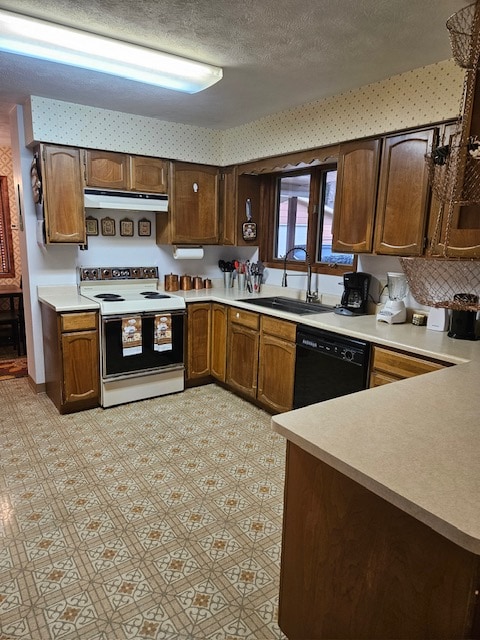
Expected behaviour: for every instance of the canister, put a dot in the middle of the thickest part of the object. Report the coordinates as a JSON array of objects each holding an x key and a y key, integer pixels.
[
  {"x": 185, "y": 283},
  {"x": 197, "y": 282},
  {"x": 171, "y": 282}
]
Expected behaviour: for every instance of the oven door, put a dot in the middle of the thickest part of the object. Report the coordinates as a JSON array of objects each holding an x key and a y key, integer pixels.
[{"x": 116, "y": 364}]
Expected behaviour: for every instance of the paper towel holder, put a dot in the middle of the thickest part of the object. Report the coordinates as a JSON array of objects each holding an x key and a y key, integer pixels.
[{"x": 187, "y": 252}]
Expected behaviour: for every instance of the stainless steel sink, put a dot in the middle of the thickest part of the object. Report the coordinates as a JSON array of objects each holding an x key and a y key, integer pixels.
[{"x": 289, "y": 305}]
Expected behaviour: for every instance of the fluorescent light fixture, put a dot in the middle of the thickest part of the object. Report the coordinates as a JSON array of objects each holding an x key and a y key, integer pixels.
[{"x": 38, "y": 39}]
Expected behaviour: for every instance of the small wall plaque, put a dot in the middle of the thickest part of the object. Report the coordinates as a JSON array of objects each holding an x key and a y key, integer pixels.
[
  {"x": 144, "y": 227},
  {"x": 108, "y": 226},
  {"x": 91, "y": 225},
  {"x": 126, "y": 227}
]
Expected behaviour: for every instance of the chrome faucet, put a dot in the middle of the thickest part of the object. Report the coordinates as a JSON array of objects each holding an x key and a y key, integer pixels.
[{"x": 310, "y": 296}]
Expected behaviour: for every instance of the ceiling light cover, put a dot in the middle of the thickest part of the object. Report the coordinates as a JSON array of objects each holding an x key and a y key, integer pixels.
[{"x": 38, "y": 39}]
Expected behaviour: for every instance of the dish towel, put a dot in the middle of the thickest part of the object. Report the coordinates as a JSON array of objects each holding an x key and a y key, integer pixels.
[
  {"x": 132, "y": 335},
  {"x": 163, "y": 332}
]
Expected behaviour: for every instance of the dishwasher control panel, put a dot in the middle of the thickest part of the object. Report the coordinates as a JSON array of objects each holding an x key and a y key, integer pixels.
[{"x": 351, "y": 350}]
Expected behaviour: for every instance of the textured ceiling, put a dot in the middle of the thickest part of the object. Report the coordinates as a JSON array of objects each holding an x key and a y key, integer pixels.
[{"x": 276, "y": 54}]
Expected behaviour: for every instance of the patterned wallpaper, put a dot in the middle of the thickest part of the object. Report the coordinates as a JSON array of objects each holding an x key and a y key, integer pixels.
[
  {"x": 425, "y": 95},
  {"x": 6, "y": 169},
  {"x": 82, "y": 126},
  {"x": 417, "y": 97}
]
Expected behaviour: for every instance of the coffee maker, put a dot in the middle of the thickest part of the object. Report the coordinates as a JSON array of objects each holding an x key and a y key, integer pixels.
[{"x": 355, "y": 294}]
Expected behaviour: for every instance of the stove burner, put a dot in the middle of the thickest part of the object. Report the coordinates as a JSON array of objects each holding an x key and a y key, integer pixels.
[
  {"x": 153, "y": 295},
  {"x": 109, "y": 296}
]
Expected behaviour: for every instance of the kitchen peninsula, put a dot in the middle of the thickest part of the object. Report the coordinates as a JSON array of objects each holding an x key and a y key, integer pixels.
[{"x": 382, "y": 519}]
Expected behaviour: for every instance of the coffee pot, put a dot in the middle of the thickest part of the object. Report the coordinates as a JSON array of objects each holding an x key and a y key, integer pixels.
[{"x": 355, "y": 294}]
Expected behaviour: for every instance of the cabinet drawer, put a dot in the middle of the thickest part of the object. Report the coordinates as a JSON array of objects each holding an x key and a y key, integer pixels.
[
  {"x": 402, "y": 365},
  {"x": 78, "y": 321},
  {"x": 244, "y": 318},
  {"x": 279, "y": 328}
]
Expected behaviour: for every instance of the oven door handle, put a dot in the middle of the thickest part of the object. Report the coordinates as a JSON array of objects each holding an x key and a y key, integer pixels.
[{"x": 143, "y": 314}]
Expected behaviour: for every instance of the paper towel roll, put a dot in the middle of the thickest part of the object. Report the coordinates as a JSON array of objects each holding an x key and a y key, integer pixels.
[{"x": 187, "y": 253}]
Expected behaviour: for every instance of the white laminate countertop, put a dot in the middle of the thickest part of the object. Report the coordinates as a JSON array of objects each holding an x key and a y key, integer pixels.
[{"x": 415, "y": 443}]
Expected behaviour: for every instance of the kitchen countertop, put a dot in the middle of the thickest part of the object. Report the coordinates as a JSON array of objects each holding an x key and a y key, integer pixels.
[{"x": 414, "y": 443}]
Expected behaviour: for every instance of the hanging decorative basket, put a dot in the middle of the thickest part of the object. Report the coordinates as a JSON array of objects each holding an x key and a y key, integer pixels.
[
  {"x": 460, "y": 29},
  {"x": 445, "y": 283}
]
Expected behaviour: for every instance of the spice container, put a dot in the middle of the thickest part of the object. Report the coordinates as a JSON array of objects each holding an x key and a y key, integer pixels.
[
  {"x": 207, "y": 283},
  {"x": 171, "y": 282},
  {"x": 185, "y": 283}
]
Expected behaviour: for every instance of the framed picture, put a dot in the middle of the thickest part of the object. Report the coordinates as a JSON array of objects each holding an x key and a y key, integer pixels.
[
  {"x": 91, "y": 225},
  {"x": 126, "y": 227},
  {"x": 144, "y": 227},
  {"x": 108, "y": 226}
]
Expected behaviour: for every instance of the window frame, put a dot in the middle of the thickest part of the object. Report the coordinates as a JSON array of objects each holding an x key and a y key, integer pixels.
[
  {"x": 6, "y": 242},
  {"x": 270, "y": 201}
]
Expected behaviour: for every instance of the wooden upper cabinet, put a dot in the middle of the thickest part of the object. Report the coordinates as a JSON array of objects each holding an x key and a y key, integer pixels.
[
  {"x": 63, "y": 194},
  {"x": 149, "y": 175},
  {"x": 355, "y": 198},
  {"x": 404, "y": 194},
  {"x": 194, "y": 208},
  {"x": 107, "y": 170},
  {"x": 236, "y": 191}
]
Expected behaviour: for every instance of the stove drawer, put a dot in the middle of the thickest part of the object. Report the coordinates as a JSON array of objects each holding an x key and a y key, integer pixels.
[{"x": 78, "y": 321}]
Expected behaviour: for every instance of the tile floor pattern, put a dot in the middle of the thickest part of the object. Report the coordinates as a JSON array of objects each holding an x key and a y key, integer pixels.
[{"x": 160, "y": 519}]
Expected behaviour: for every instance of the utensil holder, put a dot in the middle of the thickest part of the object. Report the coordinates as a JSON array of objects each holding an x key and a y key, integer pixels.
[
  {"x": 241, "y": 281},
  {"x": 228, "y": 279}
]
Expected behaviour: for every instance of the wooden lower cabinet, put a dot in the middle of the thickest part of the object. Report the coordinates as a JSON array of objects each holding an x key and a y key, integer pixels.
[
  {"x": 71, "y": 348},
  {"x": 389, "y": 365},
  {"x": 242, "y": 351},
  {"x": 198, "y": 340},
  {"x": 218, "y": 344},
  {"x": 276, "y": 369},
  {"x": 355, "y": 566}
]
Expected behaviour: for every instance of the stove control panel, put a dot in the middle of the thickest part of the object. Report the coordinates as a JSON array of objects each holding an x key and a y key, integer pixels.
[{"x": 89, "y": 274}]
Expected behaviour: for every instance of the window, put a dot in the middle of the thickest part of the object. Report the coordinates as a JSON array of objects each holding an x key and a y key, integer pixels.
[
  {"x": 7, "y": 269},
  {"x": 304, "y": 209}
]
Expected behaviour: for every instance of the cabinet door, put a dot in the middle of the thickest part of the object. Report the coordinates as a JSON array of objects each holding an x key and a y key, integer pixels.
[
  {"x": 236, "y": 190},
  {"x": 107, "y": 170},
  {"x": 148, "y": 174},
  {"x": 80, "y": 368},
  {"x": 63, "y": 195},
  {"x": 404, "y": 194},
  {"x": 195, "y": 204},
  {"x": 242, "y": 360},
  {"x": 276, "y": 372},
  {"x": 355, "y": 198},
  {"x": 198, "y": 340},
  {"x": 218, "y": 351}
]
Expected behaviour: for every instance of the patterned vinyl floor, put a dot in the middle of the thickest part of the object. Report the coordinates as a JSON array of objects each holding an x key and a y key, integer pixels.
[{"x": 160, "y": 519}]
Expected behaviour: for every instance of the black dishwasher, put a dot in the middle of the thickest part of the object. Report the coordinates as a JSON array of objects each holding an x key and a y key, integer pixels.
[{"x": 328, "y": 365}]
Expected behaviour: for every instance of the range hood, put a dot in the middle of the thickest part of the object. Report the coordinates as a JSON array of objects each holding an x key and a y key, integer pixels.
[{"x": 124, "y": 200}]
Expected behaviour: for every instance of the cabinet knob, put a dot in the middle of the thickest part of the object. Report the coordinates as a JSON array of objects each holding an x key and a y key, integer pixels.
[{"x": 195, "y": 187}]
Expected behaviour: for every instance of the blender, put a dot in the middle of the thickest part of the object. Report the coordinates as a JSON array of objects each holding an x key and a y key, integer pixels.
[{"x": 394, "y": 310}]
